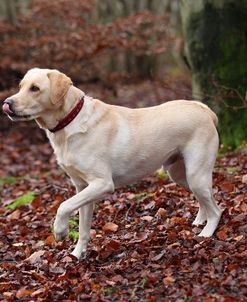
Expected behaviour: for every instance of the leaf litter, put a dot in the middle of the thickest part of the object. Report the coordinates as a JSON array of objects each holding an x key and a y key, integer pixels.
[{"x": 143, "y": 245}]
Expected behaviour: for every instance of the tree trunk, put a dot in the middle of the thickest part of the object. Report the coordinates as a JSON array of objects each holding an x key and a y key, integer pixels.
[{"x": 215, "y": 33}]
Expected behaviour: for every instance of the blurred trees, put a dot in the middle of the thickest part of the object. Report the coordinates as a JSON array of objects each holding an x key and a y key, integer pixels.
[
  {"x": 104, "y": 40},
  {"x": 9, "y": 9},
  {"x": 215, "y": 35},
  {"x": 86, "y": 39},
  {"x": 145, "y": 65}
]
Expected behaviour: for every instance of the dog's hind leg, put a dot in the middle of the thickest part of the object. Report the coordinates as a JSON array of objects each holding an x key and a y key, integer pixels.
[
  {"x": 177, "y": 172},
  {"x": 199, "y": 163}
]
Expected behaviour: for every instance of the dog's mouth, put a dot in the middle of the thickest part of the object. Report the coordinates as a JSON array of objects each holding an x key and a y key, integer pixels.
[{"x": 13, "y": 115}]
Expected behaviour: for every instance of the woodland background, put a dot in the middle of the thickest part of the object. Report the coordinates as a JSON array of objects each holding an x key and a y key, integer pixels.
[{"x": 134, "y": 53}]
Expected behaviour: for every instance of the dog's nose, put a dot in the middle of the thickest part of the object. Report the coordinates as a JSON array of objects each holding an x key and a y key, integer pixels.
[{"x": 8, "y": 106}]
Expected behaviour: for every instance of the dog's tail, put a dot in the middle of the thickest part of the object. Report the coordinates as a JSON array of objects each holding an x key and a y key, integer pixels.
[{"x": 211, "y": 113}]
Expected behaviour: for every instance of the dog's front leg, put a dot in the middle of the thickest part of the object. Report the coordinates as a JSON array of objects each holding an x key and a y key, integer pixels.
[
  {"x": 85, "y": 220},
  {"x": 93, "y": 191}
]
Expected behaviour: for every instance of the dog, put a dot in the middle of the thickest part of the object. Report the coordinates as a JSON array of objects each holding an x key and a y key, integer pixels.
[{"x": 102, "y": 146}]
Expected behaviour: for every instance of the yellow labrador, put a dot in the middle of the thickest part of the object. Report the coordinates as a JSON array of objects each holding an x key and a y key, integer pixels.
[{"x": 102, "y": 146}]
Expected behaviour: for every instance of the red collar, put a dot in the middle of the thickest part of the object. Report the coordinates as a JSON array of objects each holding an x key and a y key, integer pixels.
[{"x": 69, "y": 117}]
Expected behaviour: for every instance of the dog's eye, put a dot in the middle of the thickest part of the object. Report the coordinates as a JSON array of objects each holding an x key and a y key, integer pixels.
[{"x": 34, "y": 88}]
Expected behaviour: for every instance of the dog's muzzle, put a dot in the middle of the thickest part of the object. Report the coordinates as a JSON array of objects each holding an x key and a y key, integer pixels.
[{"x": 8, "y": 109}]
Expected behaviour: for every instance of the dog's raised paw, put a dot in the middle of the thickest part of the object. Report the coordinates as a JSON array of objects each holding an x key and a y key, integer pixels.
[{"x": 61, "y": 235}]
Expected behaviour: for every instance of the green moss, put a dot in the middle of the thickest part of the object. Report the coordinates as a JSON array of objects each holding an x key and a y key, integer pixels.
[
  {"x": 232, "y": 170},
  {"x": 73, "y": 234},
  {"x": 216, "y": 43},
  {"x": 142, "y": 194},
  {"x": 162, "y": 173},
  {"x": 21, "y": 200},
  {"x": 8, "y": 180},
  {"x": 73, "y": 228},
  {"x": 73, "y": 221},
  {"x": 109, "y": 290}
]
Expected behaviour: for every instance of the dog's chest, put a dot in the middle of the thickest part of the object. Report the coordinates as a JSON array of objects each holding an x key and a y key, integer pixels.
[
  {"x": 67, "y": 158},
  {"x": 65, "y": 162},
  {"x": 61, "y": 152}
]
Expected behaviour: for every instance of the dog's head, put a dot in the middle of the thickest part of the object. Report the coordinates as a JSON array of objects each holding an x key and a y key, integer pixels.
[{"x": 41, "y": 90}]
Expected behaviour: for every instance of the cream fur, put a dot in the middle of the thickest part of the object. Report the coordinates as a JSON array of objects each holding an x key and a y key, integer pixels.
[{"x": 108, "y": 146}]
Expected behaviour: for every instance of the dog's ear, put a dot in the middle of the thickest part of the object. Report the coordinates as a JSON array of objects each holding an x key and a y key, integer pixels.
[{"x": 60, "y": 84}]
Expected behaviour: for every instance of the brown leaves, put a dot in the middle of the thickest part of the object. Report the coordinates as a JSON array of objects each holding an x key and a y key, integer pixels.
[
  {"x": 15, "y": 215},
  {"x": 221, "y": 235},
  {"x": 143, "y": 245},
  {"x": 110, "y": 227},
  {"x": 66, "y": 45},
  {"x": 244, "y": 179},
  {"x": 22, "y": 293},
  {"x": 35, "y": 257},
  {"x": 168, "y": 280},
  {"x": 49, "y": 240},
  {"x": 161, "y": 212}
]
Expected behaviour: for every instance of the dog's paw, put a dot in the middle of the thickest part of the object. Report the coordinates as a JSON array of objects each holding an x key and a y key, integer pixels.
[
  {"x": 60, "y": 235},
  {"x": 60, "y": 230},
  {"x": 199, "y": 221},
  {"x": 79, "y": 255}
]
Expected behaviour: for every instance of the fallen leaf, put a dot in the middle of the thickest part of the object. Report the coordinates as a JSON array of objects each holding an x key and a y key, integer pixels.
[
  {"x": 22, "y": 293},
  {"x": 35, "y": 257},
  {"x": 5, "y": 285},
  {"x": 244, "y": 179},
  {"x": 109, "y": 282},
  {"x": 226, "y": 187},
  {"x": 229, "y": 299},
  {"x": 239, "y": 218},
  {"x": 238, "y": 238},
  {"x": 139, "y": 237},
  {"x": 161, "y": 212},
  {"x": 93, "y": 233},
  {"x": 18, "y": 244},
  {"x": 67, "y": 259},
  {"x": 221, "y": 235},
  {"x": 113, "y": 244},
  {"x": 15, "y": 215},
  {"x": 147, "y": 218},
  {"x": 8, "y": 294},
  {"x": 50, "y": 240},
  {"x": 38, "y": 292},
  {"x": 2, "y": 210},
  {"x": 168, "y": 280},
  {"x": 159, "y": 256},
  {"x": 110, "y": 227}
]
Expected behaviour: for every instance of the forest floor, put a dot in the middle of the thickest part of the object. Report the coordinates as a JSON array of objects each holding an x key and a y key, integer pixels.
[{"x": 143, "y": 245}]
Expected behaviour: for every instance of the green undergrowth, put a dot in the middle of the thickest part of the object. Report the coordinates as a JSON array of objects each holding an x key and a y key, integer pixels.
[
  {"x": 142, "y": 194},
  {"x": 13, "y": 179},
  {"x": 9, "y": 180},
  {"x": 73, "y": 228},
  {"x": 232, "y": 170},
  {"x": 21, "y": 200},
  {"x": 162, "y": 173},
  {"x": 73, "y": 234},
  {"x": 224, "y": 149}
]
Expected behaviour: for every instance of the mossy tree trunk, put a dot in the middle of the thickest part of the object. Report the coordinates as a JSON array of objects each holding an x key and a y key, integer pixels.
[{"x": 215, "y": 33}]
